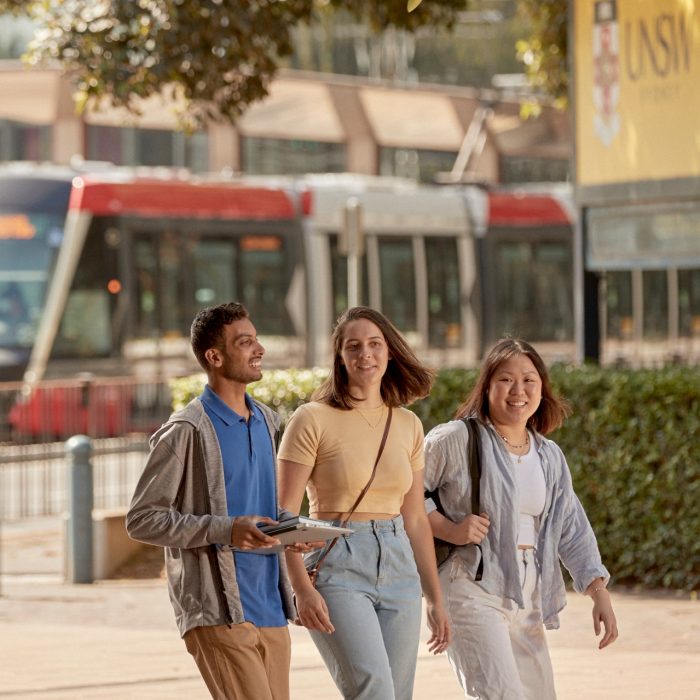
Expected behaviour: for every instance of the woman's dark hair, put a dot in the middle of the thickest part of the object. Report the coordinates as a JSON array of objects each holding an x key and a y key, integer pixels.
[
  {"x": 207, "y": 330},
  {"x": 551, "y": 412},
  {"x": 406, "y": 379}
]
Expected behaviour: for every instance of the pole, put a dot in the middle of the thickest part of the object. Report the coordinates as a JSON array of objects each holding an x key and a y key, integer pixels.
[
  {"x": 353, "y": 246},
  {"x": 78, "y": 452}
]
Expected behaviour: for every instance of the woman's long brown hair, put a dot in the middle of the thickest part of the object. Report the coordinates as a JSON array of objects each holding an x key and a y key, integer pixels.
[{"x": 406, "y": 379}]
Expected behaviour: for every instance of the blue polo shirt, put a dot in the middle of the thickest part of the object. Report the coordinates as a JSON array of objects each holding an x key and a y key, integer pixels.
[{"x": 249, "y": 475}]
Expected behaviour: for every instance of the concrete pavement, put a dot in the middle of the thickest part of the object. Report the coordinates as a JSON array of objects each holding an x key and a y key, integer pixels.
[{"x": 117, "y": 639}]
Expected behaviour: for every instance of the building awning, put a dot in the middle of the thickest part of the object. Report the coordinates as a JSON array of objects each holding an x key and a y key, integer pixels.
[
  {"x": 28, "y": 96},
  {"x": 156, "y": 113},
  {"x": 534, "y": 138},
  {"x": 415, "y": 119},
  {"x": 296, "y": 110}
]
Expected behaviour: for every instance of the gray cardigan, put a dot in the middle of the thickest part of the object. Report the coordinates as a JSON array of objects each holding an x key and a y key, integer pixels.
[
  {"x": 565, "y": 533},
  {"x": 169, "y": 509}
]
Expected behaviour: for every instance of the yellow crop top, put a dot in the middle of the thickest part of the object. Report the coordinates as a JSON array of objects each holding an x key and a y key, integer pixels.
[{"x": 342, "y": 446}]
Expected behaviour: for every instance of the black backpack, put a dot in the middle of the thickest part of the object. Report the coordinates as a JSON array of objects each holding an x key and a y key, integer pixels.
[{"x": 444, "y": 550}]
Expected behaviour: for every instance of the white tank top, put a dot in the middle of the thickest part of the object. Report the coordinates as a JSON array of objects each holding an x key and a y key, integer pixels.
[{"x": 532, "y": 490}]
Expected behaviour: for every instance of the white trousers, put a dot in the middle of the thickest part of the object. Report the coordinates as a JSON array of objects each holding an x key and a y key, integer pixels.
[{"x": 498, "y": 651}]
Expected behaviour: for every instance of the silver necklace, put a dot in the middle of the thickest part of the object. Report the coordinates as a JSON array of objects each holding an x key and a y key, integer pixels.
[
  {"x": 367, "y": 420},
  {"x": 516, "y": 447}
]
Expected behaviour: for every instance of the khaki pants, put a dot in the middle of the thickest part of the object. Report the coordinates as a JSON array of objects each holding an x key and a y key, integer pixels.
[
  {"x": 242, "y": 662},
  {"x": 498, "y": 651}
]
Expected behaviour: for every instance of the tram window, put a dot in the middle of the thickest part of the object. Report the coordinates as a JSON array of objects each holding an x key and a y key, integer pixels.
[
  {"x": 444, "y": 327},
  {"x": 398, "y": 283},
  {"x": 170, "y": 288},
  {"x": 655, "y": 285},
  {"x": 339, "y": 282},
  {"x": 86, "y": 324},
  {"x": 214, "y": 278},
  {"x": 618, "y": 300},
  {"x": 28, "y": 244},
  {"x": 533, "y": 291},
  {"x": 689, "y": 303},
  {"x": 158, "y": 282},
  {"x": 146, "y": 321},
  {"x": 264, "y": 272}
]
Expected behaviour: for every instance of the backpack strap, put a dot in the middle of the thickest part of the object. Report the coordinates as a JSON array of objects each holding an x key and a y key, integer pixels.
[{"x": 474, "y": 459}]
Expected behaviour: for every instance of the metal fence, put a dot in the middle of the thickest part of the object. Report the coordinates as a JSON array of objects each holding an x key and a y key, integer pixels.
[{"x": 117, "y": 414}]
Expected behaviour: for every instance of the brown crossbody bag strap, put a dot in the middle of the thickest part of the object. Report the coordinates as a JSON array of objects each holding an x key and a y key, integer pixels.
[{"x": 313, "y": 573}]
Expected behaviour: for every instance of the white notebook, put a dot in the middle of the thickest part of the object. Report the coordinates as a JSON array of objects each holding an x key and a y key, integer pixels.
[{"x": 301, "y": 529}]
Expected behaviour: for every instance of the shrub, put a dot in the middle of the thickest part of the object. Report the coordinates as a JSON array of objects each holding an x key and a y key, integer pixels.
[{"x": 632, "y": 447}]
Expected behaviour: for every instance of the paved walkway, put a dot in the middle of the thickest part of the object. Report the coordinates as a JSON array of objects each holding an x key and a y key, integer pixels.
[{"x": 117, "y": 639}]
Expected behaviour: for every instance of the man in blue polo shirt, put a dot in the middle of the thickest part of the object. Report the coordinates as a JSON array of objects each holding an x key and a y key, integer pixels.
[{"x": 209, "y": 481}]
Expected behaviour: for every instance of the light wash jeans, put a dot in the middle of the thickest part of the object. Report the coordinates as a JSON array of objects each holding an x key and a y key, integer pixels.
[
  {"x": 371, "y": 587},
  {"x": 498, "y": 651}
]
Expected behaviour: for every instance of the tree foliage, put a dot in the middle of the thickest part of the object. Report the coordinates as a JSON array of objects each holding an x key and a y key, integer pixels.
[
  {"x": 544, "y": 53},
  {"x": 215, "y": 56}
]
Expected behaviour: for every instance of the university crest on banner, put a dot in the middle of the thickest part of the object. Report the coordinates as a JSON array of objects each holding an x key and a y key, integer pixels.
[{"x": 606, "y": 71}]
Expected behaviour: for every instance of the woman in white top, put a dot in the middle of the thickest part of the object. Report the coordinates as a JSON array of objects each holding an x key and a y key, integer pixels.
[{"x": 530, "y": 520}]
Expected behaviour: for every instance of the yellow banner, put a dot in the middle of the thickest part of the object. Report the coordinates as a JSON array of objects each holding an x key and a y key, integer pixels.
[{"x": 637, "y": 90}]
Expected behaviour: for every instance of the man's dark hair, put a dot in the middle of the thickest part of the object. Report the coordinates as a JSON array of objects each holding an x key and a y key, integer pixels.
[{"x": 207, "y": 329}]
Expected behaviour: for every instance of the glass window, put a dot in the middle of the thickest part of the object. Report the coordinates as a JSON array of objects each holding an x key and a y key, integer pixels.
[
  {"x": 398, "y": 283},
  {"x": 150, "y": 147},
  {"x": 514, "y": 169},
  {"x": 618, "y": 301},
  {"x": 86, "y": 324},
  {"x": 689, "y": 303},
  {"x": 285, "y": 156},
  {"x": 19, "y": 141},
  {"x": 146, "y": 321},
  {"x": 534, "y": 296},
  {"x": 154, "y": 147},
  {"x": 648, "y": 236},
  {"x": 214, "y": 272},
  {"x": 15, "y": 34},
  {"x": 655, "y": 285},
  {"x": 416, "y": 164},
  {"x": 107, "y": 143},
  {"x": 158, "y": 282},
  {"x": 180, "y": 271},
  {"x": 444, "y": 319},
  {"x": 171, "y": 272},
  {"x": 29, "y": 243},
  {"x": 264, "y": 273},
  {"x": 339, "y": 283}
]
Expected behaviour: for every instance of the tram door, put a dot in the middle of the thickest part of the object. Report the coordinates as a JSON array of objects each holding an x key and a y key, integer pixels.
[{"x": 157, "y": 285}]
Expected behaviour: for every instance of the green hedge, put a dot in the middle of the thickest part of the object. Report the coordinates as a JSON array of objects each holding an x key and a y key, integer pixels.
[{"x": 632, "y": 443}]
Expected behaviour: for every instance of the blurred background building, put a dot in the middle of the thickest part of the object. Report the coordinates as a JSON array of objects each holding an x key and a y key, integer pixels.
[{"x": 348, "y": 100}]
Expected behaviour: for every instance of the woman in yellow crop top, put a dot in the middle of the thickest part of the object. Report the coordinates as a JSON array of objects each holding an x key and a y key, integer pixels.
[{"x": 364, "y": 615}]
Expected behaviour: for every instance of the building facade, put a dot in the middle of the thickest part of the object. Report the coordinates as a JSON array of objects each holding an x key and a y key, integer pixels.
[
  {"x": 637, "y": 173},
  {"x": 310, "y": 122}
]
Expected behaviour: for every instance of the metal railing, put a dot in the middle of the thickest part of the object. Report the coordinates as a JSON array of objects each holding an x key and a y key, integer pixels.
[{"x": 117, "y": 414}]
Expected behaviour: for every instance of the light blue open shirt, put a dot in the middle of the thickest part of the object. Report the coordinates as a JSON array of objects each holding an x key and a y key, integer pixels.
[{"x": 565, "y": 533}]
